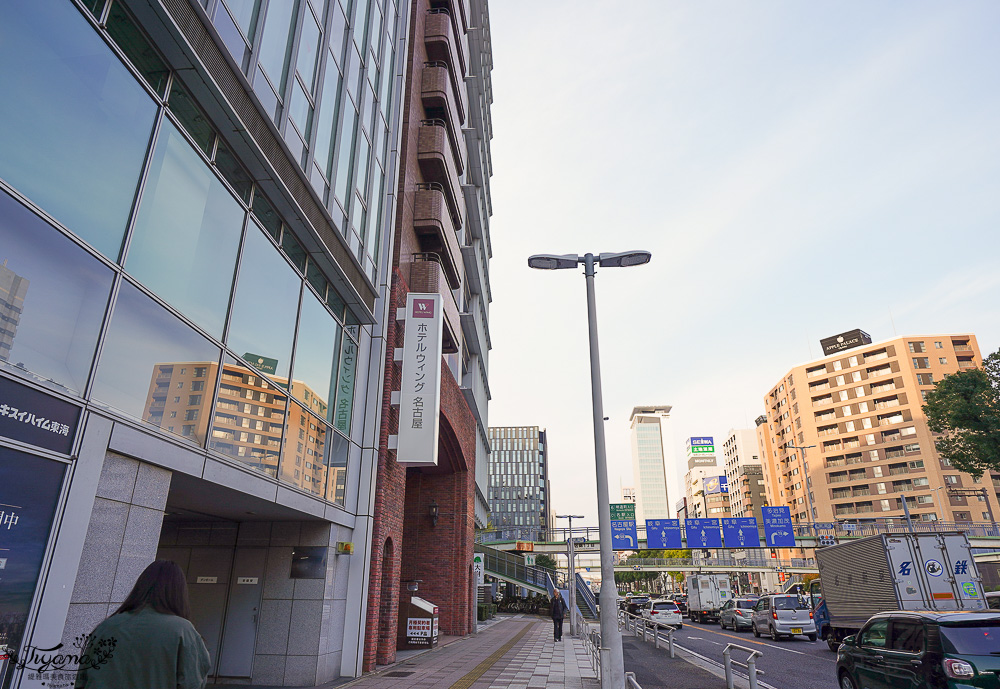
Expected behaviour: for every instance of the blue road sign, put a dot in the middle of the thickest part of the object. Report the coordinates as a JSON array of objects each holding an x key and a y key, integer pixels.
[
  {"x": 741, "y": 532},
  {"x": 703, "y": 533},
  {"x": 623, "y": 534},
  {"x": 663, "y": 533},
  {"x": 778, "y": 526}
]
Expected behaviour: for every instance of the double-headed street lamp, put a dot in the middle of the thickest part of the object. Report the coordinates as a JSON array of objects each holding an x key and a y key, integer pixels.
[
  {"x": 612, "y": 657},
  {"x": 571, "y": 568}
]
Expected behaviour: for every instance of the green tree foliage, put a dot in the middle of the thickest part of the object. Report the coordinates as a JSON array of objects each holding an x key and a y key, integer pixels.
[
  {"x": 965, "y": 407},
  {"x": 548, "y": 561}
]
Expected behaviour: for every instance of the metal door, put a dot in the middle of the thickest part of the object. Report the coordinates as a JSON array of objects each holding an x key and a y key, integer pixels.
[{"x": 239, "y": 634}]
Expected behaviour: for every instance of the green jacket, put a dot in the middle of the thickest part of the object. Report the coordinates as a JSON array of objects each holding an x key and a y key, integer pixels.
[{"x": 148, "y": 650}]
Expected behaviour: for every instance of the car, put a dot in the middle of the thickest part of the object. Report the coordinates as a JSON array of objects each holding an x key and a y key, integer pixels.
[
  {"x": 737, "y": 613},
  {"x": 663, "y": 611},
  {"x": 682, "y": 602},
  {"x": 634, "y": 604},
  {"x": 910, "y": 649},
  {"x": 783, "y": 614},
  {"x": 993, "y": 599}
]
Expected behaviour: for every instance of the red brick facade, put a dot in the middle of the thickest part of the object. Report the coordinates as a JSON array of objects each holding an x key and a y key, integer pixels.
[{"x": 406, "y": 545}]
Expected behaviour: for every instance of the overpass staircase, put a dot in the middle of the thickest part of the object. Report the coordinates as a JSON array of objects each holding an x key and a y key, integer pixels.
[{"x": 510, "y": 567}]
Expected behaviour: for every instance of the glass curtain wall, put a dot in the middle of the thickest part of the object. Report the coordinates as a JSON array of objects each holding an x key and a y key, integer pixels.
[
  {"x": 140, "y": 268},
  {"x": 323, "y": 70}
]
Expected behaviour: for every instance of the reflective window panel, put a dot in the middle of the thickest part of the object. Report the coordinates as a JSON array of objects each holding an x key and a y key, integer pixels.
[
  {"x": 70, "y": 108},
  {"x": 303, "y": 458},
  {"x": 156, "y": 368},
  {"x": 316, "y": 353},
  {"x": 345, "y": 384},
  {"x": 249, "y": 418},
  {"x": 336, "y": 489},
  {"x": 263, "y": 321},
  {"x": 53, "y": 296},
  {"x": 187, "y": 233}
]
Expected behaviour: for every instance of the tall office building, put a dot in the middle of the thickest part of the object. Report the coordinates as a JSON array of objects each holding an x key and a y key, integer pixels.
[
  {"x": 440, "y": 255},
  {"x": 744, "y": 473},
  {"x": 202, "y": 194},
  {"x": 13, "y": 289},
  {"x": 519, "y": 490},
  {"x": 652, "y": 453},
  {"x": 850, "y": 440}
]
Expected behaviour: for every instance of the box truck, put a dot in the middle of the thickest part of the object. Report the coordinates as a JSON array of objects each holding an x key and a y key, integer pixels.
[
  {"x": 900, "y": 571},
  {"x": 707, "y": 593}
]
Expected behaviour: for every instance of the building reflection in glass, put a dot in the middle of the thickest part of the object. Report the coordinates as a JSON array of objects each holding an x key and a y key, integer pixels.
[
  {"x": 179, "y": 396},
  {"x": 13, "y": 289}
]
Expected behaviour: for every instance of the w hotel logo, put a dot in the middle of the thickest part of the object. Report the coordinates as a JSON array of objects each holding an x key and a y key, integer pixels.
[{"x": 423, "y": 308}]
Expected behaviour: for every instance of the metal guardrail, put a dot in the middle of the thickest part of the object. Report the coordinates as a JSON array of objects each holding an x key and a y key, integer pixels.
[
  {"x": 583, "y": 588},
  {"x": 512, "y": 566},
  {"x": 630, "y": 682},
  {"x": 631, "y": 623},
  {"x": 750, "y": 665}
]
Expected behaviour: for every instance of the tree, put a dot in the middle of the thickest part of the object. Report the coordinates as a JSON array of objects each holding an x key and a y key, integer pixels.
[
  {"x": 547, "y": 561},
  {"x": 965, "y": 408}
]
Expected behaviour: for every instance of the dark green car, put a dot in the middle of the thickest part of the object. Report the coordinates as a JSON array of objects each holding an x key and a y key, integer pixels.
[{"x": 911, "y": 650}]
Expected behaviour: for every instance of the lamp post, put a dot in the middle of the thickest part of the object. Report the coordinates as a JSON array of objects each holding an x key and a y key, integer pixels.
[
  {"x": 571, "y": 559},
  {"x": 940, "y": 503},
  {"x": 979, "y": 493},
  {"x": 613, "y": 662},
  {"x": 806, "y": 479}
]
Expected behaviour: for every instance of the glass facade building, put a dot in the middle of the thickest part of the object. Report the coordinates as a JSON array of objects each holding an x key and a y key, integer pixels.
[
  {"x": 519, "y": 491},
  {"x": 195, "y": 212},
  {"x": 651, "y": 452}
]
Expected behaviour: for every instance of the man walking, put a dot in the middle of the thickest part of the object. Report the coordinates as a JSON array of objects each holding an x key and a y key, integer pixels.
[{"x": 559, "y": 609}]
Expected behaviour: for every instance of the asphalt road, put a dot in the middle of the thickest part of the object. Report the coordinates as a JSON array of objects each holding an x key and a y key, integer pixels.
[{"x": 787, "y": 664}]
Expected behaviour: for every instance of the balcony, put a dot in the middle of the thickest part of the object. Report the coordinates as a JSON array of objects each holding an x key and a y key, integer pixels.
[
  {"x": 437, "y": 163},
  {"x": 961, "y": 347},
  {"x": 966, "y": 363},
  {"x": 427, "y": 276},
  {"x": 438, "y": 94},
  {"x": 435, "y": 226},
  {"x": 440, "y": 41}
]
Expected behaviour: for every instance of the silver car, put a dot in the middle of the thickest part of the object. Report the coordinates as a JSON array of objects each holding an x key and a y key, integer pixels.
[
  {"x": 783, "y": 614},
  {"x": 737, "y": 613}
]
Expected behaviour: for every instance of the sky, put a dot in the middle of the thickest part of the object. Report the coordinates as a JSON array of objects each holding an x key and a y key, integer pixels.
[{"x": 797, "y": 169}]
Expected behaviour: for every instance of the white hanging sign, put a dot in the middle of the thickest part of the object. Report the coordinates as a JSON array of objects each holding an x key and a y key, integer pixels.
[{"x": 420, "y": 389}]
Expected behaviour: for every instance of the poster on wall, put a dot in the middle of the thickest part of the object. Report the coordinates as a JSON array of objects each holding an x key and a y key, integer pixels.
[{"x": 29, "y": 493}]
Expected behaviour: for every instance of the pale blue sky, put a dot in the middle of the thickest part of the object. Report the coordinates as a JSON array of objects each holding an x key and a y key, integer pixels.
[{"x": 797, "y": 169}]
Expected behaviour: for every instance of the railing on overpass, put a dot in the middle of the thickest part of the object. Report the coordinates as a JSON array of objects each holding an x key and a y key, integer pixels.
[
  {"x": 714, "y": 563},
  {"x": 511, "y": 567},
  {"x": 855, "y": 528},
  {"x": 583, "y": 588}
]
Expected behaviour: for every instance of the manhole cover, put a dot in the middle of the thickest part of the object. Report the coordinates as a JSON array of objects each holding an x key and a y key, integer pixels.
[{"x": 398, "y": 673}]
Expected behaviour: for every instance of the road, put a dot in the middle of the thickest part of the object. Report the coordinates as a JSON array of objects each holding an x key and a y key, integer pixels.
[{"x": 788, "y": 664}]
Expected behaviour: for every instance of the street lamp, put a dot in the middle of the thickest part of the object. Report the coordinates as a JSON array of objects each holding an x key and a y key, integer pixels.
[
  {"x": 571, "y": 559},
  {"x": 806, "y": 479},
  {"x": 979, "y": 493},
  {"x": 613, "y": 668}
]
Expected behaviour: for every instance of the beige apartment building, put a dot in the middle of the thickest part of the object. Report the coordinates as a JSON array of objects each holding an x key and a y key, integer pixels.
[{"x": 845, "y": 437}]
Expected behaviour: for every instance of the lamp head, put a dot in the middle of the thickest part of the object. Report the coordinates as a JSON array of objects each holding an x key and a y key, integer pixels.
[
  {"x": 553, "y": 261},
  {"x": 624, "y": 259}
]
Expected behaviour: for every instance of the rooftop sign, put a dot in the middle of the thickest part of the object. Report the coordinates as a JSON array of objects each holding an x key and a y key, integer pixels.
[{"x": 848, "y": 340}]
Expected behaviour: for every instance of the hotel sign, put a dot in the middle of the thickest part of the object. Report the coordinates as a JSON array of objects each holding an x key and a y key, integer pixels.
[
  {"x": 848, "y": 340},
  {"x": 420, "y": 389}
]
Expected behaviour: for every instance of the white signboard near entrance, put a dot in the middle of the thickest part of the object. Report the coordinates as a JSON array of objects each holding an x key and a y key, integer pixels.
[
  {"x": 420, "y": 389},
  {"x": 477, "y": 568}
]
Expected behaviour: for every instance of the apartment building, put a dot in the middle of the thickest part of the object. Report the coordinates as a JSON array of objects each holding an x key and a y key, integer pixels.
[
  {"x": 520, "y": 494},
  {"x": 652, "y": 453},
  {"x": 744, "y": 472},
  {"x": 848, "y": 439}
]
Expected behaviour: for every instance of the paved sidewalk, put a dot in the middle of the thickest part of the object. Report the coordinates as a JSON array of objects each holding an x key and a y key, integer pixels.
[{"x": 513, "y": 653}]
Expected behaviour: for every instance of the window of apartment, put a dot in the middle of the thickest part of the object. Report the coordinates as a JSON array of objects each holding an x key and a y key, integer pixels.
[
  {"x": 884, "y": 504},
  {"x": 853, "y": 361},
  {"x": 856, "y": 376},
  {"x": 943, "y": 360},
  {"x": 862, "y": 407},
  {"x": 837, "y": 366},
  {"x": 925, "y": 379},
  {"x": 921, "y": 362},
  {"x": 922, "y": 481},
  {"x": 876, "y": 471},
  {"x": 916, "y": 464},
  {"x": 846, "y": 410},
  {"x": 938, "y": 345},
  {"x": 917, "y": 347},
  {"x": 844, "y": 396},
  {"x": 840, "y": 380},
  {"x": 849, "y": 426},
  {"x": 859, "y": 391},
  {"x": 880, "y": 487},
  {"x": 870, "y": 439}
]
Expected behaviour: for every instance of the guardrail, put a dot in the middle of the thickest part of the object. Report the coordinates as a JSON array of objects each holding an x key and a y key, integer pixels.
[
  {"x": 583, "y": 588},
  {"x": 630, "y": 682},
  {"x": 750, "y": 665},
  {"x": 631, "y": 623}
]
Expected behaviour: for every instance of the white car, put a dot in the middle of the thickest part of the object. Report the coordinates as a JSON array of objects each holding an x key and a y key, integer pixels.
[{"x": 665, "y": 612}]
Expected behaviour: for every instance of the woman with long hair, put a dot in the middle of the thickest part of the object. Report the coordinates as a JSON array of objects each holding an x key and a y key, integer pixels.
[{"x": 149, "y": 641}]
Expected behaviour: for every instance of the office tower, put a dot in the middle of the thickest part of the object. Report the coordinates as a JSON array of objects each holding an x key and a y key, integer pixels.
[
  {"x": 519, "y": 490},
  {"x": 850, "y": 439},
  {"x": 652, "y": 454},
  {"x": 744, "y": 473},
  {"x": 203, "y": 196}
]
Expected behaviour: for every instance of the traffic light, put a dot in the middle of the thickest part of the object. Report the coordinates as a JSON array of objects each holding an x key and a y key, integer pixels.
[{"x": 774, "y": 554}]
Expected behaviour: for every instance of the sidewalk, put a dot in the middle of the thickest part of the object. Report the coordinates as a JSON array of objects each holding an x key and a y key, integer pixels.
[{"x": 514, "y": 652}]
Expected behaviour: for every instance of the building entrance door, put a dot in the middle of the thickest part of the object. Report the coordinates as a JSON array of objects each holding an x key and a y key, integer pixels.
[{"x": 239, "y": 631}]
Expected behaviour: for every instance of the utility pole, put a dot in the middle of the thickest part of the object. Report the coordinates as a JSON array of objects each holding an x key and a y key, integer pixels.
[{"x": 571, "y": 556}]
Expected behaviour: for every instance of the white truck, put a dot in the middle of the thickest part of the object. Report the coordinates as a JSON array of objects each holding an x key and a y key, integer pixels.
[
  {"x": 903, "y": 571},
  {"x": 707, "y": 593}
]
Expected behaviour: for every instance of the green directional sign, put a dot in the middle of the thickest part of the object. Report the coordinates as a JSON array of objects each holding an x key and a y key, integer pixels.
[{"x": 623, "y": 510}]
